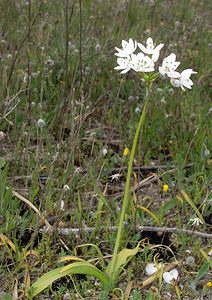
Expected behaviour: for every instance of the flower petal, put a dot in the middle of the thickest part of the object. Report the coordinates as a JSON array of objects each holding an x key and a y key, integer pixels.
[
  {"x": 142, "y": 47},
  {"x": 150, "y": 269},
  {"x": 124, "y": 43},
  {"x": 121, "y": 54},
  {"x": 176, "y": 64},
  {"x": 155, "y": 55},
  {"x": 172, "y": 57},
  {"x": 159, "y": 47},
  {"x": 173, "y": 74},
  {"x": 187, "y": 73},
  {"x": 125, "y": 71},
  {"x": 131, "y": 43},
  {"x": 169, "y": 276},
  {"x": 149, "y": 41},
  {"x": 186, "y": 84},
  {"x": 119, "y": 68},
  {"x": 175, "y": 82},
  {"x": 140, "y": 55}
]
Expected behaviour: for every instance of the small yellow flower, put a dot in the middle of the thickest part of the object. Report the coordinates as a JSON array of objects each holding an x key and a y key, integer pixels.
[
  {"x": 165, "y": 188},
  {"x": 126, "y": 151},
  {"x": 209, "y": 284}
]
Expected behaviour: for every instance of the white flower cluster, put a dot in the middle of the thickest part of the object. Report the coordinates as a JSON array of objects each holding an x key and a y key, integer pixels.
[{"x": 145, "y": 60}]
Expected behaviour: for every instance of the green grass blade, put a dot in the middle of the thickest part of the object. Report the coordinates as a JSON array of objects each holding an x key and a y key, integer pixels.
[
  {"x": 202, "y": 271},
  {"x": 191, "y": 203}
]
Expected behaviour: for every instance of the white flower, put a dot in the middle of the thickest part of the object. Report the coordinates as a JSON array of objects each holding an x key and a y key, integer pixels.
[
  {"x": 124, "y": 64},
  {"x": 128, "y": 48},
  {"x": 137, "y": 110},
  {"x": 98, "y": 48},
  {"x": 169, "y": 276},
  {"x": 182, "y": 80},
  {"x": 49, "y": 62},
  {"x": 9, "y": 56},
  {"x": 151, "y": 49},
  {"x": 66, "y": 188},
  {"x": 142, "y": 63},
  {"x": 41, "y": 123},
  {"x": 196, "y": 221},
  {"x": 169, "y": 65},
  {"x": 151, "y": 268},
  {"x": 131, "y": 98},
  {"x": 115, "y": 177}
]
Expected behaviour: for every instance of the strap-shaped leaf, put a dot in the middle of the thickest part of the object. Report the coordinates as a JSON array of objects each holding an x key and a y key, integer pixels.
[
  {"x": 84, "y": 267},
  {"x": 123, "y": 257}
]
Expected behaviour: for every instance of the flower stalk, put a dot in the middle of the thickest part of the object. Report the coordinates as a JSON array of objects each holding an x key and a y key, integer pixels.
[{"x": 127, "y": 187}]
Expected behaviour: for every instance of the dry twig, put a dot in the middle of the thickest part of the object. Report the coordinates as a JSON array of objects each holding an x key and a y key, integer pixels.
[{"x": 67, "y": 231}]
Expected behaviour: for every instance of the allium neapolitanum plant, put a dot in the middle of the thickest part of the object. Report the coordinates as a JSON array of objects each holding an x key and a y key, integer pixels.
[{"x": 142, "y": 62}]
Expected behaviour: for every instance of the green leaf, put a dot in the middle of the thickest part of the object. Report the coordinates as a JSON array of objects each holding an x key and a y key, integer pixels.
[
  {"x": 169, "y": 205},
  {"x": 85, "y": 268},
  {"x": 123, "y": 257},
  {"x": 204, "y": 269}
]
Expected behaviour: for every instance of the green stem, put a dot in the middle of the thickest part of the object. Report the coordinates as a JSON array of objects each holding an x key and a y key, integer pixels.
[{"x": 127, "y": 187}]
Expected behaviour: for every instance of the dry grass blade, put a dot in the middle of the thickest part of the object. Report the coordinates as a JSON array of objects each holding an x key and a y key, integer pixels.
[
  {"x": 15, "y": 290},
  {"x": 70, "y": 257},
  {"x": 7, "y": 241},
  {"x": 27, "y": 278},
  {"x": 30, "y": 204},
  {"x": 150, "y": 213},
  {"x": 43, "y": 219},
  {"x": 114, "y": 296},
  {"x": 128, "y": 290}
]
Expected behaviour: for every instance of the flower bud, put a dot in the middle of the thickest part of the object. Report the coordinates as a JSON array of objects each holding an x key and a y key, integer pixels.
[
  {"x": 165, "y": 188},
  {"x": 126, "y": 151}
]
